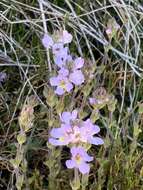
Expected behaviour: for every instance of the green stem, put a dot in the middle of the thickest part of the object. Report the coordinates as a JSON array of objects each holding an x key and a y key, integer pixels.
[
  {"x": 84, "y": 181},
  {"x": 76, "y": 182},
  {"x": 76, "y": 177}
]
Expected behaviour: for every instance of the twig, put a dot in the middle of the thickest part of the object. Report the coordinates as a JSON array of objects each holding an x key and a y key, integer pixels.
[{"x": 45, "y": 31}]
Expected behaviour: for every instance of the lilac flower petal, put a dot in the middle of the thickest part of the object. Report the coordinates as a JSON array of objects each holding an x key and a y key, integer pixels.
[
  {"x": 96, "y": 141},
  {"x": 64, "y": 54},
  {"x": 70, "y": 164},
  {"x": 65, "y": 127},
  {"x": 54, "y": 81},
  {"x": 74, "y": 114},
  {"x": 74, "y": 151},
  {"x": 87, "y": 157},
  {"x": 61, "y": 56},
  {"x": 56, "y": 132},
  {"x": 96, "y": 129},
  {"x": 77, "y": 77},
  {"x": 66, "y": 117},
  {"x": 79, "y": 158},
  {"x": 64, "y": 72},
  {"x": 84, "y": 168},
  {"x": 80, "y": 150},
  {"x": 109, "y": 31},
  {"x": 78, "y": 63},
  {"x": 69, "y": 58},
  {"x": 92, "y": 101},
  {"x": 65, "y": 38},
  {"x": 93, "y": 129},
  {"x": 56, "y": 142},
  {"x": 47, "y": 41},
  {"x": 58, "y": 61},
  {"x": 58, "y": 47},
  {"x": 59, "y": 91},
  {"x": 77, "y": 150},
  {"x": 69, "y": 86}
]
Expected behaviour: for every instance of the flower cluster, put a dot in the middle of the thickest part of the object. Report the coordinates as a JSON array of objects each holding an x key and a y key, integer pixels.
[
  {"x": 79, "y": 135},
  {"x": 101, "y": 98},
  {"x": 76, "y": 133},
  {"x": 112, "y": 28},
  {"x": 69, "y": 68}
]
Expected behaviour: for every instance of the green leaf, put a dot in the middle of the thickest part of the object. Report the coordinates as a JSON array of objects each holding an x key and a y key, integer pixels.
[{"x": 21, "y": 138}]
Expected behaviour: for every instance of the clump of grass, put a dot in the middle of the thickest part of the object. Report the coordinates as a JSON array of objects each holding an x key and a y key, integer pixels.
[{"x": 116, "y": 65}]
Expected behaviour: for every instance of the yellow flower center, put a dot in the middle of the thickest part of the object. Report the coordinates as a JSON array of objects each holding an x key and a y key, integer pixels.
[
  {"x": 61, "y": 139},
  {"x": 78, "y": 158},
  {"x": 63, "y": 84}
]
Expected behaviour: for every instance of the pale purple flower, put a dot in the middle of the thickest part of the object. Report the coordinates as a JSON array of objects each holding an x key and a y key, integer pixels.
[
  {"x": 112, "y": 28},
  {"x": 87, "y": 132},
  {"x": 79, "y": 160},
  {"x": 57, "y": 48},
  {"x": 63, "y": 71},
  {"x": 82, "y": 131},
  {"x": 61, "y": 56},
  {"x": 65, "y": 37},
  {"x": 78, "y": 63},
  {"x": 62, "y": 83},
  {"x": 109, "y": 31},
  {"x": 67, "y": 117},
  {"x": 76, "y": 77},
  {"x": 69, "y": 58},
  {"x": 75, "y": 131},
  {"x": 60, "y": 136},
  {"x": 98, "y": 101},
  {"x": 47, "y": 41},
  {"x": 92, "y": 101}
]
